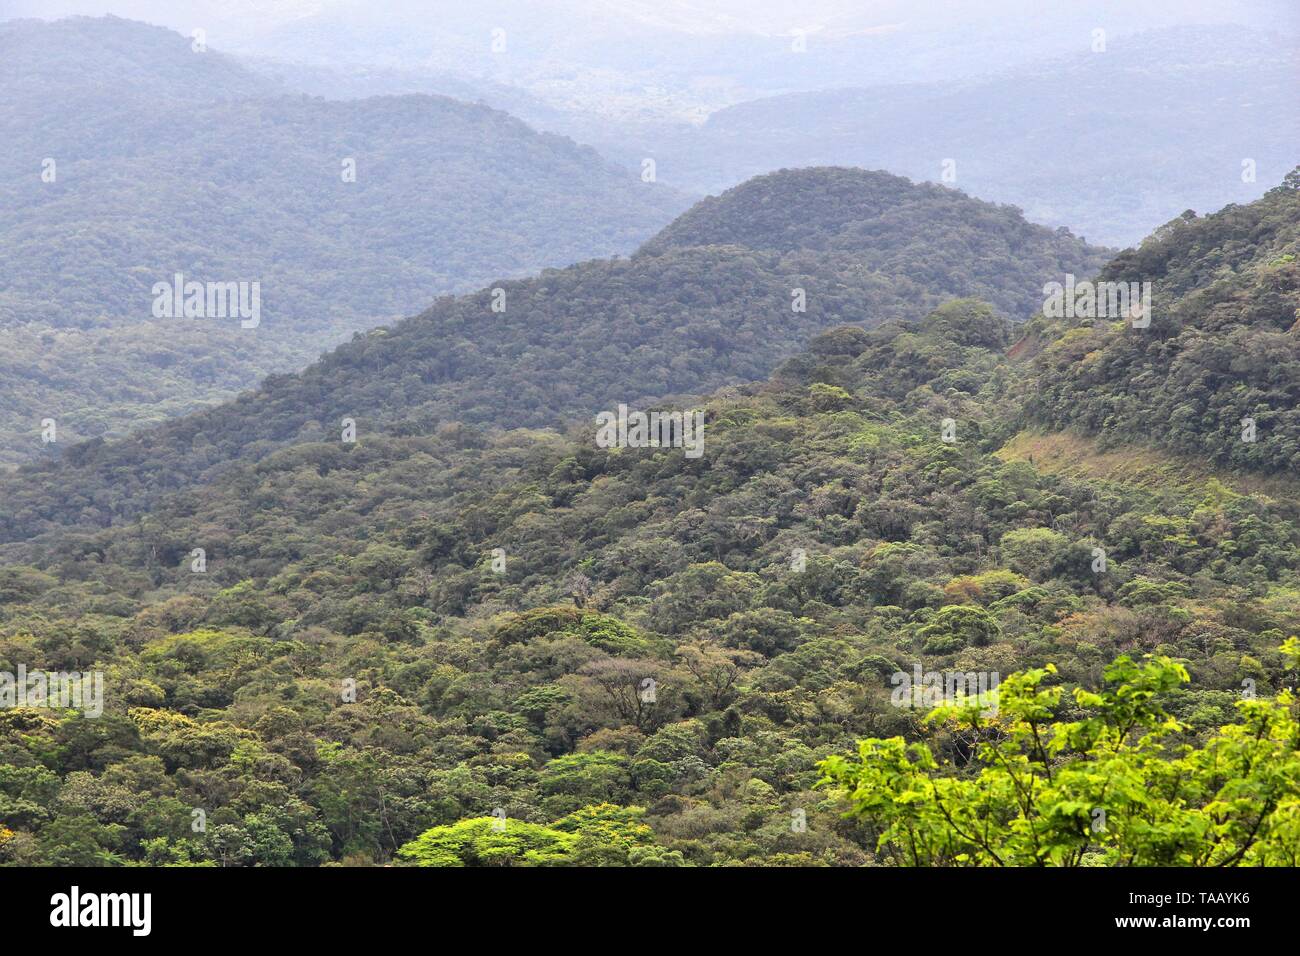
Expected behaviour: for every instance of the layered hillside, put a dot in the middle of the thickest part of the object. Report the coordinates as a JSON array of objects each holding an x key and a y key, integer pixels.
[
  {"x": 1216, "y": 375},
  {"x": 132, "y": 156},
  {"x": 405, "y": 607},
  {"x": 684, "y": 316},
  {"x": 500, "y": 603}
]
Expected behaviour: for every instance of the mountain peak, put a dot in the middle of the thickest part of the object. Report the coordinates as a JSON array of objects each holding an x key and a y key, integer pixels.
[
  {"x": 885, "y": 224},
  {"x": 874, "y": 216},
  {"x": 807, "y": 208}
]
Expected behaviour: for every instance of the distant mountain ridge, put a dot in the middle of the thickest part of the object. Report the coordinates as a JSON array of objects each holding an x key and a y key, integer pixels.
[
  {"x": 674, "y": 320},
  {"x": 1109, "y": 143},
  {"x": 135, "y": 157}
]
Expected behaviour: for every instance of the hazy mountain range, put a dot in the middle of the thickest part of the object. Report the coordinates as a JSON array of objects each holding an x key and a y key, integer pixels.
[
  {"x": 133, "y": 158},
  {"x": 448, "y": 195},
  {"x": 721, "y": 296}
]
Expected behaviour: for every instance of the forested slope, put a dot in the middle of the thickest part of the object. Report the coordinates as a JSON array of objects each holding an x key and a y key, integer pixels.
[
  {"x": 937, "y": 237},
  {"x": 1222, "y": 352},
  {"x": 518, "y": 689},
  {"x": 685, "y": 315},
  {"x": 131, "y": 157}
]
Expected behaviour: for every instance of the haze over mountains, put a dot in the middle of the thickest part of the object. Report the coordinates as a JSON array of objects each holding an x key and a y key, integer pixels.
[
  {"x": 1052, "y": 107},
  {"x": 719, "y": 297},
  {"x": 1109, "y": 143},
  {"x": 167, "y": 160},
  {"x": 449, "y": 196},
  {"x": 1078, "y": 138},
  {"x": 591, "y": 55}
]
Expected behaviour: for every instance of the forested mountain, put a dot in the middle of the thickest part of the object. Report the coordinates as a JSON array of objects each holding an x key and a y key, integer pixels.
[
  {"x": 131, "y": 157},
  {"x": 720, "y": 297},
  {"x": 93, "y": 69},
  {"x": 433, "y": 645},
  {"x": 889, "y": 225},
  {"x": 1216, "y": 375}
]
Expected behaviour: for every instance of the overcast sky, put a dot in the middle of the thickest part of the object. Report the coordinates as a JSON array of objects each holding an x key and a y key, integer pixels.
[{"x": 763, "y": 16}]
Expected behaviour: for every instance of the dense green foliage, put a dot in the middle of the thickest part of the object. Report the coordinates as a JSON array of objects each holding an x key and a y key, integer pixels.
[
  {"x": 1223, "y": 344},
  {"x": 519, "y": 695},
  {"x": 1116, "y": 787},
  {"x": 170, "y": 160},
  {"x": 675, "y": 319},
  {"x": 936, "y": 237}
]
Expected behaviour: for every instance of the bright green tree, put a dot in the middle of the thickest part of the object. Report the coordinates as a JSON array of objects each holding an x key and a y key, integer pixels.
[
  {"x": 1121, "y": 786},
  {"x": 488, "y": 841}
]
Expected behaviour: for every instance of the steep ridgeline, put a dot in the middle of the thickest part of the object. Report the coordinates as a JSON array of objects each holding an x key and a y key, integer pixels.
[
  {"x": 500, "y": 602},
  {"x": 1216, "y": 374},
  {"x": 130, "y": 157},
  {"x": 720, "y": 297}
]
